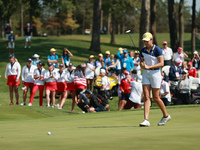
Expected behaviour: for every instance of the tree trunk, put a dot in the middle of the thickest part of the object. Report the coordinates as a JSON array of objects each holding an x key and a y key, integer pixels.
[
  {"x": 181, "y": 23},
  {"x": 83, "y": 26},
  {"x": 112, "y": 41},
  {"x": 118, "y": 27},
  {"x": 101, "y": 27},
  {"x": 123, "y": 26},
  {"x": 172, "y": 25},
  {"x": 108, "y": 30},
  {"x": 2, "y": 28},
  {"x": 21, "y": 20},
  {"x": 95, "y": 43},
  {"x": 144, "y": 20},
  {"x": 193, "y": 27},
  {"x": 153, "y": 20}
]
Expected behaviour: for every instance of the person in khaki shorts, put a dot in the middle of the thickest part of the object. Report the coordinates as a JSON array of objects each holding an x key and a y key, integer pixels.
[{"x": 11, "y": 44}]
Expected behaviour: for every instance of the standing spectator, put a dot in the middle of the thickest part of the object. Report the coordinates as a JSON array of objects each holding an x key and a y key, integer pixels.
[
  {"x": 98, "y": 61},
  {"x": 27, "y": 79},
  {"x": 184, "y": 87},
  {"x": 127, "y": 62},
  {"x": 117, "y": 65},
  {"x": 11, "y": 44},
  {"x": 89, "y": 72},
  {"x": 120, "y": 53},
  {"x": 38, "y": 83},
  {"x": 12, "y": 74},
  {"x": 165, "y": 95},
  {"x": 50, "y": 76},
  {"x": 35, "y": 59},
  {"x": 196, "y": 62},
  {"x": 65, "y": 58},
  {"x": 131, "y": 54},
  {"x": 179, "y": 54},
  {"x": 167, "y": 54},
  {"x": 136, "y": 62},
  {"x": 7, "y": 33},
  {"x": 125, "y": 87},
  {"x": 27, "y": 31},
  {"x": 175, "y": 70},
  {"x": 107, "y": 58},
  {"x": 103, "y": 66},
  {"x": 192, "y": 70},
  {"x": 53, "y": 58}
]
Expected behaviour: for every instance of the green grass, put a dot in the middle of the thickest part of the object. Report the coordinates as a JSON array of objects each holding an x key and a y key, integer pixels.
[{"x": 27, "y": 127}]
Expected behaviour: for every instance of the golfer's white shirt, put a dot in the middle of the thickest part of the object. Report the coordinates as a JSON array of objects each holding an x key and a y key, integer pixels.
[
  {"x": 37, "y": 73},
  {"x": 14, "y": 69},
  {"x": 47, "y": 76},
  {"x": 167, "y": 53},
  {"x": 136, "y": 92},
  {"x": 27, "y": 73}
]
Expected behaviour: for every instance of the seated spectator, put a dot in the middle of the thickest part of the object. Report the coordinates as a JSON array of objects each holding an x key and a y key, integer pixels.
[
  {"x": 184, "y": 87},
  {"x": 175, "y": 71},
  {"x": 165, "y": 77},
  {"x": 53, "y": 58},
  {"x": 97, "y": 102},
  {"x": 165, "y": 95},
  {"x": 184, "y": 66},
  {"x": 83, "y": 101},
  {"x": 107, "y": 58},
  {"x": 98, "y": 61},
  {"x": 35, "y": 60},
  {"x": 167, "y": 54},
  {"x": 192, "y": 70},
  {"x": 65, "y": 58},
  {"x": 179, "y": 54},
  {"x": 125, "y": 87},
  {"x": 135, "y": 96}
]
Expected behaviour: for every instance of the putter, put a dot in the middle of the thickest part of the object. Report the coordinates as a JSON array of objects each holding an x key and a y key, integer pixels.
[{"x": 128, "y": 31}]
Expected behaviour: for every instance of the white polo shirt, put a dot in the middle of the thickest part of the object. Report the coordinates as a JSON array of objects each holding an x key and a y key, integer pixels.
[
  {"x": 27, "y": 73},
  {"x": 61, "y": 76},
  {"x": 165, "y": 88},
  {"x": 136, "y": 92},
  {"x": 176, "y": 55},
  {"x": 105, "y": 82},
  {"x": 37, "y": 73},
  {"x": 47, "y": 76},
  {"x": 167, "y": 53},
  {"x": 14, "y": 69},
  {"x": 69, "y": 77}
]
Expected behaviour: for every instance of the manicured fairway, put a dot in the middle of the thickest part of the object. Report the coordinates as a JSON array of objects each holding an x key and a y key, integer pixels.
[{"x": 107, "y": 130}]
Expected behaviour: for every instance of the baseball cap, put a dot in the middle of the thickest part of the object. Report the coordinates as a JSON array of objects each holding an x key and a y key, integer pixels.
[
  {"x": 120, "y": 49},
  {"x": 91, "y": 56},
  {"x": 40, "y": 63},
  {"x": 164, "y": 42},
  {"x": 28, "y": 24},
  {"x": 178, "y": 60},
  {"x": 103, "y": 70},
  {"x": 52, "y": 50},
  {"x": 126, "y": 72},
  {"x": 79, "y": 66},
  {"x": 36, "y": 56},
  {"x": 50, "y": 64},
  {"x": 101, "y": 55},
  {"x": 70, "y": 64},
  {"x": 180, "y": 49},
  {"x": 137, "y": 52},
  {"x": 195, "y": 52},
  {"x": 189, "y": 63},
  {"x": 61, "y": 65},
  {"x": 11, "y": 32},
  {"x": 29, "y": 59},
  {"x": 125, "y": 51},
  {"x": 11, "y": 55},
  {"x": 87, "y": 91},
  {"x": 147, "y": 36},
  {"x": 108, "y": 52}
]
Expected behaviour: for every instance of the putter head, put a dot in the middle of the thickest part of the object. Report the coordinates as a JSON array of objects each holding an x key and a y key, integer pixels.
[{"x": 128, "y": 31}]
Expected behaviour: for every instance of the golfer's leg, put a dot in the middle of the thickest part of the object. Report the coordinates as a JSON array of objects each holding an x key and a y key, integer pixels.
[
  {"x": 146, "y": 91},
  {"x": 159, "y": 102}
]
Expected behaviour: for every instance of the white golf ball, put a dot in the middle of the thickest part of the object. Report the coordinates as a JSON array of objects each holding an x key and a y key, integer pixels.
[{"x": 49, "y": 133}]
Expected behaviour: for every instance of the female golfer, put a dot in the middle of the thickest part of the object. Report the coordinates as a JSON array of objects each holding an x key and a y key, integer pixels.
[
  {"x": 50, "y": 76},
  {"x": 89, "y": 72},
  {"x": 12, "y": 74},
  {"x": 152, "y": 61}
]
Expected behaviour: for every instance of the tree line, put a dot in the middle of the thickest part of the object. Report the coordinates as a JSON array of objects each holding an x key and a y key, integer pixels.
[{"x": 64, "y": 17}]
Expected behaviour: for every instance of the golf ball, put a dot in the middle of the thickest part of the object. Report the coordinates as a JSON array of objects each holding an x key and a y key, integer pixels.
[{"x": 49, "y": 133}]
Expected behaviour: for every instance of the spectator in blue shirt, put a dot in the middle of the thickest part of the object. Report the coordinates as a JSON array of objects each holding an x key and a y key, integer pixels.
[
  {"x": 103, "y": 66},
  {"x": 127, "y": 62},
  {"x": 11, "y": 44},
  {"x": 7, "y": 33},
  {"x": 53, "y": 58},
  {"x": 107, "y": 58},
  {"x": 66, "y": 57},
  {"x": 35, "y": 60}
]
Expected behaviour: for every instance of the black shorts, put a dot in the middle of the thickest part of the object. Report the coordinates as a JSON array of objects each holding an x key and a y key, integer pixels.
[{"x": 125, "y": 96}]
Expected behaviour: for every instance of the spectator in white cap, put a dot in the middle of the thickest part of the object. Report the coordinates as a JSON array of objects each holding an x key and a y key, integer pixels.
[
  {"x": 167, "y": 54},
  {"x": 27, "y": 32},
  {"x": 35, "y": 59},
  {"x": 196, "y": 62},
  {"x": 184, "y": 87},
  {"x": 7, "y": 33},
  {"x": 175, "y": 70},
  {"x": 107, "y": 58},
  {"x": 11, "y": 44},
  {"x": 179, "y": 54}
]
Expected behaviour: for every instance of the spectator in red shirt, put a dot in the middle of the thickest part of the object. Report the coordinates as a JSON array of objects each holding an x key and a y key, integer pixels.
[
  {"x": 125, "y": 87},
  {"x": 192, "y": 70}
]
